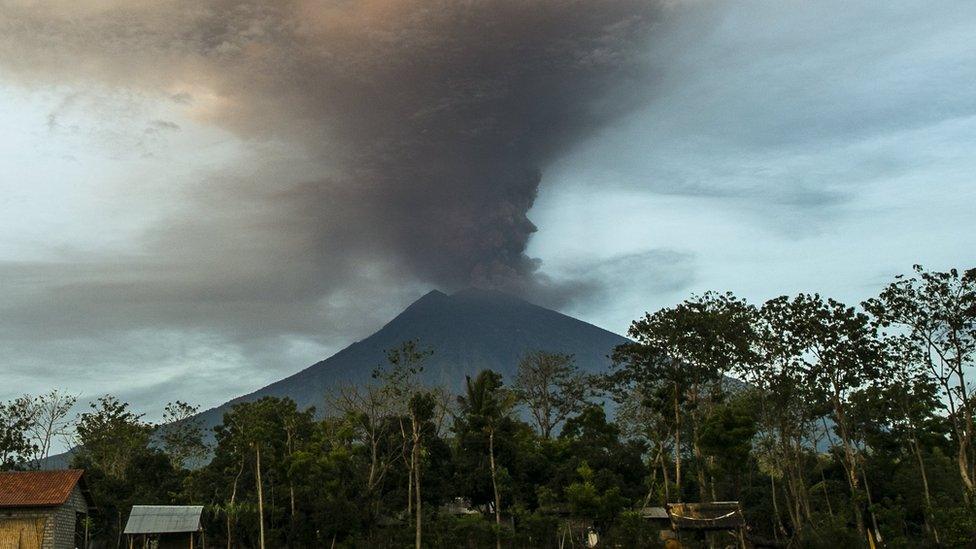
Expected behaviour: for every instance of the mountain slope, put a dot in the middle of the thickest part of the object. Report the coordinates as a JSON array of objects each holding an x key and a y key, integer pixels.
[{"x": 468, "y": 331}]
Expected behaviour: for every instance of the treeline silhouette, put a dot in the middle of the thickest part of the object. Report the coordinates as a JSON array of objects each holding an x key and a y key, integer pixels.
[{"x": 834, "y": 426}]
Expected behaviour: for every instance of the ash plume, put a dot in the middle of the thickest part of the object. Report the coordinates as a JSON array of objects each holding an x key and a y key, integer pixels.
[{"x": 431, "y": 121}]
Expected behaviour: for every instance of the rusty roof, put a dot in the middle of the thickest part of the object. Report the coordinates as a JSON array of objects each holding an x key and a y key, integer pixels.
[{"x": 37, "y": 488}]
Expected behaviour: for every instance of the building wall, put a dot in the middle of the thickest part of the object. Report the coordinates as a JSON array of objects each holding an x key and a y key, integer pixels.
[
  {"x": 30, "y": 528},
  {"x": 54, "y": 526},
  {"x": 63, "y": 527}
]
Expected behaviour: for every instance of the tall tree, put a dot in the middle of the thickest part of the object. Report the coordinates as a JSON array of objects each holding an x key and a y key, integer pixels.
[
  {"x": 787, "y": 409},
  {"x": 121, "y": 465},
  {"x": 936, "y": 311},
  {"x": 841, "y": 354},
  {"x": 486, "y": 409},
  {"x": 702, "y": 338},
  {"x": 405, "y": 364},
  {"x": 898, "y": 406},
  {"x": 552, "y": 387},
  {"x": 110, "y": 435},
  {"x": 642, "y": 418},
  {"x": 370, "y": 410},
  {"x": 49, "y": 420},
  {"x": 260, "y": 430},
  {"x": 181, "y": 434}
]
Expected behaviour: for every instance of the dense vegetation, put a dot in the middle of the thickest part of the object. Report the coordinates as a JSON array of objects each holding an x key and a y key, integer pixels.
[{"x": 833, "y": 425}]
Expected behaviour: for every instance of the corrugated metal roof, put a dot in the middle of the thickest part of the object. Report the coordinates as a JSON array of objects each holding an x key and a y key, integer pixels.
[
  {"x": 163, "y": 519},
  {"x": 37, "y": 488},
  {"x": 654, "y": 513}
]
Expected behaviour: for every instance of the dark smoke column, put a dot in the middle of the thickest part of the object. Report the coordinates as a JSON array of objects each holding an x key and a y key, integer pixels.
[{"x": 441, "y": 116}]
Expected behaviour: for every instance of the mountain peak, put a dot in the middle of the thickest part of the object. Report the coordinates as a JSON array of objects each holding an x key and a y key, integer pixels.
[
  {"x": 432, "y": 296},
  {"x": 468, "y": 331}
]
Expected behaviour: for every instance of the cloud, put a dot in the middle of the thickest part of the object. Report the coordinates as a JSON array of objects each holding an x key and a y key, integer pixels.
[
  {"x": 433, "y": 121},
  {"x": 383, "y": 146}
]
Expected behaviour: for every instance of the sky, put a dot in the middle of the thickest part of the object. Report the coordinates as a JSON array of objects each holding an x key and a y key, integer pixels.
[{"x": 200, "y": 198}]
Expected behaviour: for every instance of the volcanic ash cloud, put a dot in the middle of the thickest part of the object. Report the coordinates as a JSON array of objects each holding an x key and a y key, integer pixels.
[{"x": 430, "y": 122}]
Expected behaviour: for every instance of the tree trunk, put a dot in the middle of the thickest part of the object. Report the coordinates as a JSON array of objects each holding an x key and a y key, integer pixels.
[
  {"x": 373, "y": 463},
  {"x": 699, "y": 466},
  {"x": 257, "y": 454},
  {"x": 494, "y": 486},
  {"x": 404, "y": 452},
  {"x": 667, "y": 480},
  {"x": 874, "y": 519},
  {"x": 230, "y": 509},
  {"x": 415, "y": 464},
  {"x": 963, "y": 460},
  {"x": 291, "y": 485},
  {"x": 823, "y": 483},
  {"x": 778, "y": 528},
  {"x": 929, "y": 527},
  {"x": 966, "y": 436},
  {"x": 850, "y": 459},
  {"x": 677, "y": 443},
  {"x": 653, "y": 466}
]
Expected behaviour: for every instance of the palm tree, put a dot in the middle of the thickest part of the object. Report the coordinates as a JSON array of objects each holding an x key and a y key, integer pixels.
[{"x": 488, "y": 405}]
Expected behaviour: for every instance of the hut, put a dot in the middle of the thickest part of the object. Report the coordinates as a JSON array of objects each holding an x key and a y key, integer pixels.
[
  {"x": 165, "y": 527},
  {"x": 708, "y": 519},
  {"x": 44, "y": 509}
]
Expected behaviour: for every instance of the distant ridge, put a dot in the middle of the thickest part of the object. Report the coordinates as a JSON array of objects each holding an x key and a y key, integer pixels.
[{"x": 468, "y": 331}]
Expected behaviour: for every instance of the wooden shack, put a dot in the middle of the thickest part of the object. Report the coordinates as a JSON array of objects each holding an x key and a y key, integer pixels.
[
  {"x": 165, "y": 527},
  {"x": 708, "y": 519},
  {"x": 44, "y": 509}
]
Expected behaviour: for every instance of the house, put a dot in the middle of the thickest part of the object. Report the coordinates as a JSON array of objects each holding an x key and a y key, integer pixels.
[
  {"x": 44, "y": 509},
  {"x": 165, "y": 526}
]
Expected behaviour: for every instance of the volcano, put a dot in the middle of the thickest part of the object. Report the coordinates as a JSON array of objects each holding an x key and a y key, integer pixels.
[{"x": 468, "y": 331}]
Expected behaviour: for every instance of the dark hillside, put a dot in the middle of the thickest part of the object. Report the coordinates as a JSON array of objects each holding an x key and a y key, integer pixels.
[{"x": 469, "y": 331}]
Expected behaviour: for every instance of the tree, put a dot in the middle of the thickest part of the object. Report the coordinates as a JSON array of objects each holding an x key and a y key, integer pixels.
[
  {"x": 615, "y": 463},
  {"x": 120, "y": 464},
  {"x": 841, "y": 354},
  {"x": 16, "y": 447},
  {"x": 787, "y": 409},
  {"x": 486, "y": 409},
  {"x": 421, "y": 410},
  {"x": 370, "y": 411},
  {"x": 640, "y": 419},
  {"x": 406, "y": 364},
  {"x": 49, "y": 420},
  {"x": 110, "y": 436},
  {"x": 551, "y": 387},
  {"x": 329, "y": 485},
  {"x": 727, "y": 434},
  {"x": 587, "y": 501},
  {"x": 257, "y": 445},
  {"x": 898, "y": 407},
  {"x": 936, "y": 312},
  {"x": 688, "y": 349},
  {"x": 181, "y": 434}
]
